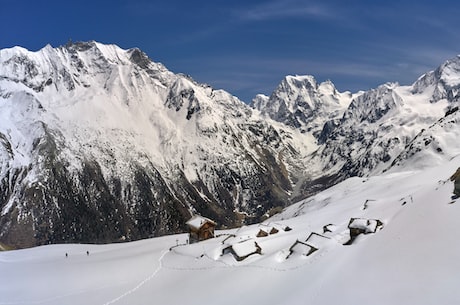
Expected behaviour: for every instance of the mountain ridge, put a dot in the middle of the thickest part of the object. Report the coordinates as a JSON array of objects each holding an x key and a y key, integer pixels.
[
  {"x": 101, "y": 144},
  {"x": 123, "y": 149}
]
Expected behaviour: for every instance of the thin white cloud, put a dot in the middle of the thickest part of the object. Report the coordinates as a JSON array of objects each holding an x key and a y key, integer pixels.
[
  {"x": 253, "y": 74},
  {"x": 283, "y": 66},
  {"x": 285, "y": 9}
]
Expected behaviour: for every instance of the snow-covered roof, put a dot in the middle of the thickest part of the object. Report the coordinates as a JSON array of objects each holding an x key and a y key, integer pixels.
[
  {"x": 245, "y": 248},
  {"x": 317, "y": 240},
  {"x": 366, "y": 225},
  {"x": 197, "y": 221},
  {"x": 301, "y": 248}
]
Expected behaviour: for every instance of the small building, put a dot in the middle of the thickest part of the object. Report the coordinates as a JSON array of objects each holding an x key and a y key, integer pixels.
[
  {"x": 243, "y": 249},
  {"x": 301, "y": 249},
  {"x": 317, "y": 241},
  {"x": 200, "y": 228},
  {"x": 359, "y": 226},
  {"x": 264, "y": 233}
]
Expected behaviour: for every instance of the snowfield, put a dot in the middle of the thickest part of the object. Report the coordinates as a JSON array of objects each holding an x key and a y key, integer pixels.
[{"x": 401, "y": 231}]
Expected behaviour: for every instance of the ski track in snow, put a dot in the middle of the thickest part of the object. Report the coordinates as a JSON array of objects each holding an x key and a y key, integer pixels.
[
  {"x": 47, "y": 301},
  {"x": 142, "y": 283}
]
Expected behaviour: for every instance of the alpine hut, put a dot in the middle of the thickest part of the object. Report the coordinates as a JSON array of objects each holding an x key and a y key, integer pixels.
[{"x": 200, "y": 228}]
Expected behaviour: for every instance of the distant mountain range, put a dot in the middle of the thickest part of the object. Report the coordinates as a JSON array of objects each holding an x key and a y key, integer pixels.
[{"x": 100, "y": 144}]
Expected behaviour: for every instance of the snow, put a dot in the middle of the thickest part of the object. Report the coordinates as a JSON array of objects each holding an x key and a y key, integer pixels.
[
  {"x": 450, "y": 73},
  {"x": 245, "y": 248},
  {"x": 413, "y": 259},
  {"x": 317, "y": 240}
]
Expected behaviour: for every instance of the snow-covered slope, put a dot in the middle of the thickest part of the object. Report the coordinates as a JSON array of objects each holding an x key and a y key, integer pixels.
[
  {"x": 432, "y": 146},
  {"x": 387, "y": 239},
  {"x": 102, "y": 144}
]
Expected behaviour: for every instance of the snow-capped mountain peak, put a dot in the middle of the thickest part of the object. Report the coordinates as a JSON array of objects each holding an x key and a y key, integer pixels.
[
  {"x": 300, "y": 102},
  {"x": 444, "y": 81}
]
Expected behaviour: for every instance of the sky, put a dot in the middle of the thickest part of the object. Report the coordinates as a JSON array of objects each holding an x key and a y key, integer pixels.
[{"x": 247, "y": 47}]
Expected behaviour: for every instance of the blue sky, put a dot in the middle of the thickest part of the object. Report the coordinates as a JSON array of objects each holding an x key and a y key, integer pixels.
[{"x": 247, "y": 47}]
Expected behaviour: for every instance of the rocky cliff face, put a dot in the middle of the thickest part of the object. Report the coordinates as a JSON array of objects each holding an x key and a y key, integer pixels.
[
  {"x": 302, "y": 103},
  {"x": 370, "y": 132},
  {"x": 100, "y": 144}
]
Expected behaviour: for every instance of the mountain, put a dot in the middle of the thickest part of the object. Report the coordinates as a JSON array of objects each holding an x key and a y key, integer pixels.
[
  {"x": 302, "y": 103},
  {"x": 101, "y": 144},
  {"x": 368, "y": 133}
]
